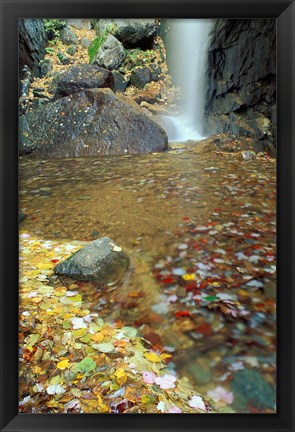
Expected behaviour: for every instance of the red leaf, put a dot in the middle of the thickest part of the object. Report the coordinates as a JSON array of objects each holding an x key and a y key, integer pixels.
[{"x": 182, "y": 314}]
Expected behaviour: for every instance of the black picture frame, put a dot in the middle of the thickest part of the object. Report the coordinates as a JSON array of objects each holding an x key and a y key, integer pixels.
[{"x": 284, "y": 12}]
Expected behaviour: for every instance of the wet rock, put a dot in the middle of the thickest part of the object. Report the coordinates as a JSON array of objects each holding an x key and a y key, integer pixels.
[
  {"x": 45, "y": 67},
  {"x": 131, "y": 32},
  {"x": 120, "y": 81},
  {"x": 140, "y": 76},
  {"x": 80, "y": 23},
  {"x": 250, "y": 388},
  {"x": 68, "y": 37},
  {"x": 90, "y": 123},
  {"x": 72, "y": 50},
  {"x": 77, "y": 78},
  {"x": 85, "y": 42},
  {"x": 101, "y": 261},
  {"x": 32, "y": 44},
  {"x": 110, "y": 54}
]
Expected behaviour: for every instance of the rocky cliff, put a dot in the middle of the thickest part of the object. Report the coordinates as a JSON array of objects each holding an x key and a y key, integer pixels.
[
  {"x": 241, "y": 96},
  {"x": 32, "y": 43}
]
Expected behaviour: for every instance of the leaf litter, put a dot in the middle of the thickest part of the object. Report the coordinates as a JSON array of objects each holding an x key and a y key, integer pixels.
[{"x": 214, "y": 313}]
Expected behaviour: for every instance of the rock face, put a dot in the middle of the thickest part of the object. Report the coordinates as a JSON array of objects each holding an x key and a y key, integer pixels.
[
  {"x": 90, "y": 123},
  {"x": 110, "y": 54},
  {"x": 102, "y": 261},
  {"x": 131, "y": 32},
  {"x": 32, "y": 43},
  {"x": 77, "y": 78},
  {"x": 241, "y": 97}
]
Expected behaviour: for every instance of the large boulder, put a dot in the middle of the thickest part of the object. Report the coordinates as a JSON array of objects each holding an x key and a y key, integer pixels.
[
  {"x": 90, "y": 123},
  {"x": 110, "y": 54},
  {"x": 102, "y": 261},
  {"x": 32, "y": 44},
  {"x": 80, "y": 77},
  {"x": 131, "y": 32}
]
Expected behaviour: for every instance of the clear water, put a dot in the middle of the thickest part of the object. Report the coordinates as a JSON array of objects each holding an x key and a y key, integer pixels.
[{"x": 156, "y": 207}]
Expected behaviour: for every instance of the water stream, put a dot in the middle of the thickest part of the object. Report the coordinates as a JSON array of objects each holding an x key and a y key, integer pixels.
[{"x": 197, "y": 228}]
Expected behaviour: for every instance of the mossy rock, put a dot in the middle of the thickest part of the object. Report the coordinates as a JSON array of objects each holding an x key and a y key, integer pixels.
[{"x": 95, "y": 45}]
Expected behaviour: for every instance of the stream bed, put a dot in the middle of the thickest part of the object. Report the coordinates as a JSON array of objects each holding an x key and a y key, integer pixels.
[{"x": 201, "y": 234}]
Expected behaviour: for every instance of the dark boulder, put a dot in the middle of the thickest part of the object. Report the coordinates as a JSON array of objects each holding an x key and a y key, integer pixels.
[
  {"x": 120, "y": 81},
  {"x": 140, "y": 76},
  {"x": 77, "y": 78},
  {"x": 131, "y": 32},
  {"x": 110, "y": 54},
  {"x": 101, "y": 261},
  {"x": 68, "y": 37},
  {"x": 32, "y": 43},
  {"x": 90, "y": 123}
]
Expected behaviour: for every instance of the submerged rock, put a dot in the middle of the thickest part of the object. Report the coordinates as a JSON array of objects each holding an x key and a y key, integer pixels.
[
  {"x": 90, "y": 123},
  {"x": 102, "y": 261},
  {"x": 250, "y": 388}
]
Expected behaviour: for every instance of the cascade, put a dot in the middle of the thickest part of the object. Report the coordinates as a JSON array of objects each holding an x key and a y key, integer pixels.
[{"x": 187, "y": 53}]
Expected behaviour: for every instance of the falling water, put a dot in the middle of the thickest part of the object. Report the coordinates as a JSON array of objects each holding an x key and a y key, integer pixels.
[{"x": 187, "y": 52}]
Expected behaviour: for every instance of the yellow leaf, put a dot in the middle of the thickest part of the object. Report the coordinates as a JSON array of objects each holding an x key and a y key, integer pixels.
[
  {"x": 63, "y": 364},
  {"x": 153, "y": 357},
  {"x": 98, "y": 337},
  {"x": 45, "y": 266},
  {"x": 165, "y": 356},
  {"x": 121, "y": 376},
  {"x": 36, "y": 369},
  {"x": 79, "y": 333},
  {"x": 189, "y": 276}
]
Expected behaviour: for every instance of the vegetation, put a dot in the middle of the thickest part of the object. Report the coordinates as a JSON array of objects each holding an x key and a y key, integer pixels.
[
  {"x": 95, "y": 45},
  {"x": 53, "y": 27}
]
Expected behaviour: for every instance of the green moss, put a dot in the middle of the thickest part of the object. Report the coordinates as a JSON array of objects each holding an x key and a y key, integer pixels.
[
  {"x": 95, "y": 45},
  {"x": 53, "y": 27}
]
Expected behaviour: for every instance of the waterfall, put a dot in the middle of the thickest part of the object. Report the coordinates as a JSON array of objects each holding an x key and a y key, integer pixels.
[{"x": 187, "y": 52}]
